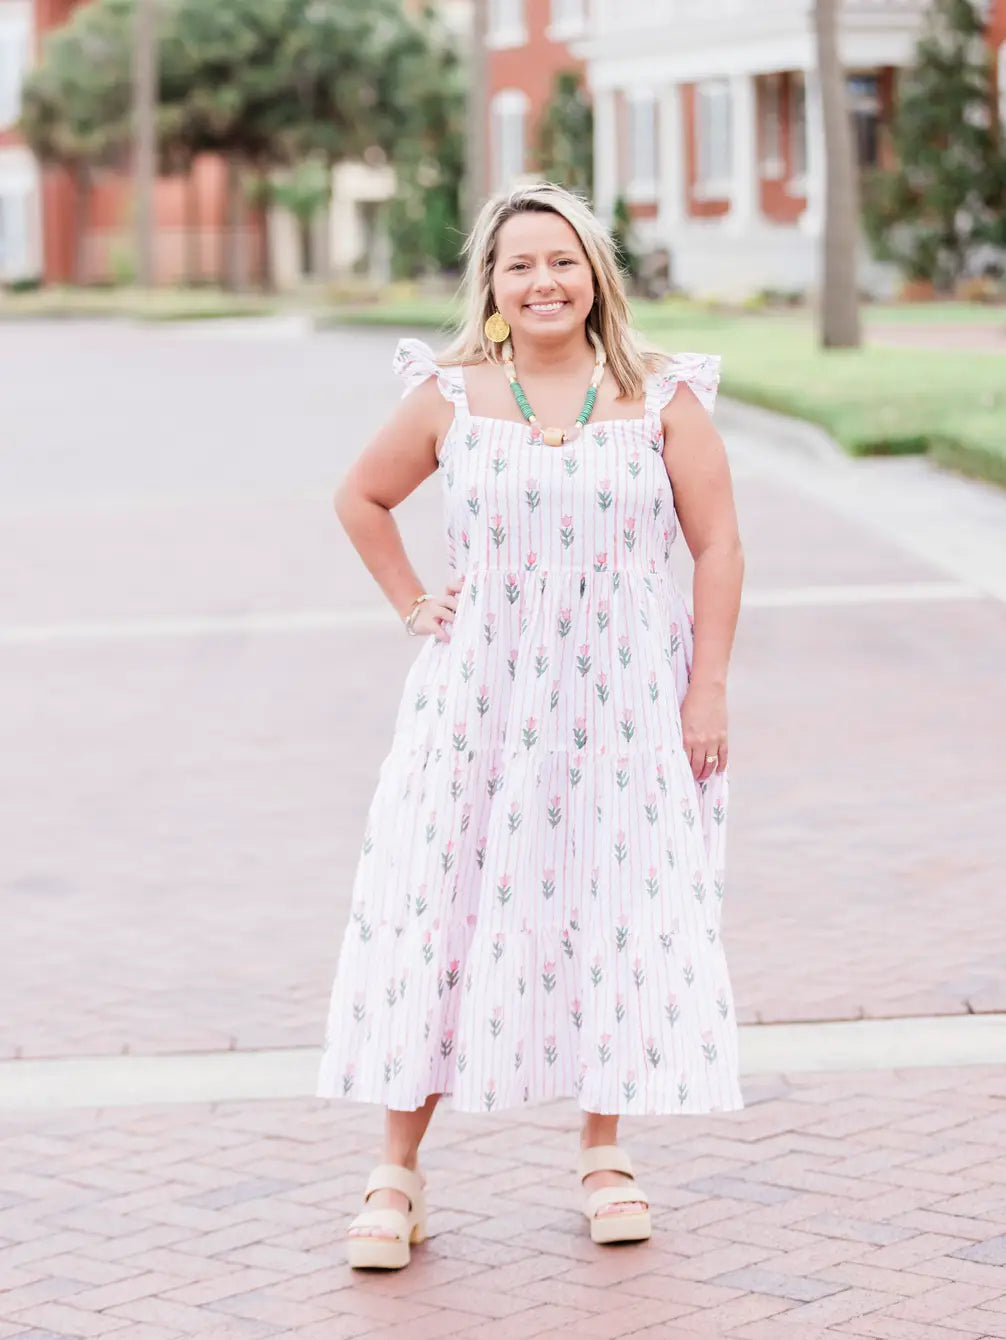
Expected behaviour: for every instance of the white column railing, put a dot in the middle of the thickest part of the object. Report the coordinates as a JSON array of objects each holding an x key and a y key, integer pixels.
[
  {"x": 605, "y": 154},
  {"x": 813, "y": 216},
  {"x": 744, "y": 202},
  {"x": 671, "y": 157}
]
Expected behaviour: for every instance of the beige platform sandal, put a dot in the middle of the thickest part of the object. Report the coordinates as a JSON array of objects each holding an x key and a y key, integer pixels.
[
  {"x": 389, "y": 1253},
  {"x": 624, "y": 1226}
]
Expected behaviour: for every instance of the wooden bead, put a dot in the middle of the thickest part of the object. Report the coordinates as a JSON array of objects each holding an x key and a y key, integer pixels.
[{"x": 554, "y": 437}]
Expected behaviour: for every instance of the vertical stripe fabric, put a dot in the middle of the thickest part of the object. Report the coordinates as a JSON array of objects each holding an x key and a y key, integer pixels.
[{"x": 536, "y": 908}]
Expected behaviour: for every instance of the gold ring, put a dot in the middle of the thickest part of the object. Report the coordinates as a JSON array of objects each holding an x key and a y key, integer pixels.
[{"x": 712, "y": 758}]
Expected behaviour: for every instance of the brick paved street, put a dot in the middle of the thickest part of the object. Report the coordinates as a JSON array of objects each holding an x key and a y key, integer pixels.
[{"x": 206, "y": 681}]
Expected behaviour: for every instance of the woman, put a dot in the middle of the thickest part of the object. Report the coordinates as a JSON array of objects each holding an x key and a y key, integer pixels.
[{"x": 536, "y": 908}]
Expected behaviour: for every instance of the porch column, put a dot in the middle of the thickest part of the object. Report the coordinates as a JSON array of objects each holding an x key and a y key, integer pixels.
[
  {"x": 671, "y": 159},
  {"x": 605, "y": 154},
  {"x": 744, "y": 182},
  {"x": 812, "y": 219}
]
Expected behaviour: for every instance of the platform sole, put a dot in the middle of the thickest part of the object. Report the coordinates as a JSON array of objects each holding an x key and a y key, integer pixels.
[
  {"x": 365, "y": 1252},
  {"x": 611, "y": 1228}
]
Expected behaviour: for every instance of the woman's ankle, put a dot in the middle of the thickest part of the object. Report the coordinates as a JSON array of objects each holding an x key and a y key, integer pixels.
[
  {"x": 598, "y": 1129},
  {"x": 403, "y": 1158}
]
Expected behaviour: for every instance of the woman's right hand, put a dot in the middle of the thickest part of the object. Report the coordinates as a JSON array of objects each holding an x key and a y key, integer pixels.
[{"x": 437, "y": 615}]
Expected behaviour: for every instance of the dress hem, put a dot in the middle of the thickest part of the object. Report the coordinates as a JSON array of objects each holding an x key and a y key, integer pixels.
[{"x": 734, "y": 1104}]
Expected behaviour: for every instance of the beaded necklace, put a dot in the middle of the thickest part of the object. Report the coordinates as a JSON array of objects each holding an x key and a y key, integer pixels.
[{"x": 555, "y": 437}]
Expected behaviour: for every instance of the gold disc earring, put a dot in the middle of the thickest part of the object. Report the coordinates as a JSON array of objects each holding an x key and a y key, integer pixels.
[{"x": 497, "y": 328}]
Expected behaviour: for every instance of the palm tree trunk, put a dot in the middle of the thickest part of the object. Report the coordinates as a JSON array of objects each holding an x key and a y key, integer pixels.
[
  {"x": 266, "y": 277},
  {"x": 306, "y": 228},
  {"x": 81, "y": 221},
  {"x": 193, "y": 229},
  {"x": 235, "y": 249},
  {"x": 839, "y": 300},
  {"x": 476, "y": 181}
]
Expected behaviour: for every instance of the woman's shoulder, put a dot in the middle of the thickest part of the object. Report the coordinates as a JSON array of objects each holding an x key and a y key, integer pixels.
[
  {"x": 699, "y": 371},
  {"x": 414, "y": 362}
]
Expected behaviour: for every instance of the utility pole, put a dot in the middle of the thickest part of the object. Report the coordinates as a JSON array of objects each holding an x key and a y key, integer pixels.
[
  {"x": 476, "y": 186},
  {"x": 144, "y": 137}
]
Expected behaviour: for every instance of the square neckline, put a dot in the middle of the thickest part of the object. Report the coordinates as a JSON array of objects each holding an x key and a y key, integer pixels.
[
  {"x": 521, "y": 422},
  {"x": 640, "y": 419}
]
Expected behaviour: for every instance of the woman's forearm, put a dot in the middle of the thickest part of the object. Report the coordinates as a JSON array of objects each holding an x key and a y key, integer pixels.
[
  {"x": 716, "y": 596},
  {"x": 374, "y": 534}
]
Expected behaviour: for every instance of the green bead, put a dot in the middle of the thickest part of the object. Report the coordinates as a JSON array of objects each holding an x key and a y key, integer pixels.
[
  {"x": 524, "y": 405},
  {"x": 588, "y": 406}
]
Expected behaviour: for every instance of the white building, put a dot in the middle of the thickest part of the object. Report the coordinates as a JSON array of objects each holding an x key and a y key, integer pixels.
[
  {"x": 707, "y": 119},
  {"x": 20, "y": 188}
]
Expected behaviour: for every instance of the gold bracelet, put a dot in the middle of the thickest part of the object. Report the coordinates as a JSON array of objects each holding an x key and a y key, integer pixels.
[{"x": 410, "y": 618}]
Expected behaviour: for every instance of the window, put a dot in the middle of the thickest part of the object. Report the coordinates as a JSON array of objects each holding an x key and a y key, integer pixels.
[
  {"x": 509, "y": 117},
  {"x": 13, "y": 64},
  {"x": 506, "y": 23},
  {"x": 770, "y": 126},
  {"x": 567, "y": 19},
  {"x": 641, "y": 117},
  {"x": 798, "y": 132},
  {"x": 712, "y": 130},
  {"x": 13, "y": 235},
  {"x": 864, "y": 104}
]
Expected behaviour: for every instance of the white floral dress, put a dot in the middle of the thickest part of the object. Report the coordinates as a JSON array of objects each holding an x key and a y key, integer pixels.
[{"x": 536, "y": 909}]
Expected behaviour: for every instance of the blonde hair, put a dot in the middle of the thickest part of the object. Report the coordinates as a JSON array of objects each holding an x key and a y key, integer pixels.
[{"x": 609, "y": 318}]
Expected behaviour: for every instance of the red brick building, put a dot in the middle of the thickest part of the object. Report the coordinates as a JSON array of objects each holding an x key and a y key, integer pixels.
[
  {"x": 39, "y": 208},
  {"x": 707, "y": 118},
  {"x": 528, "y": 44}
]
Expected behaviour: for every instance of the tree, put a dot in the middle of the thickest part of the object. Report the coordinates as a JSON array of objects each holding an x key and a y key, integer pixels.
[
  {"x": 275, "y": 83},
  {"x": 77, "y": 103},
  {"x": 839, "y": 301},
  {"x": 305, "y": 193},
  {"x": 946, "y": 197},
  {"x": 623, "y": 239},
  {"x": 223, "y": 91},
  {"x": 425, "y": 218},
  {"x": 264, "y": 84},
  {"x": 566, "y": 136}
]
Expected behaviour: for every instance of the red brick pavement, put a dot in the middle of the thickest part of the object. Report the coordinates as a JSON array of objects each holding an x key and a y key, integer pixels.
[{"x": 867, "y": 1205}]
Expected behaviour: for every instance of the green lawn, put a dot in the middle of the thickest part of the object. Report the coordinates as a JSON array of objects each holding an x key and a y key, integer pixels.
[
  {"x": 951, "y": 403},
  {"x": 434, "y": 313},
  {"x": 162, "y": 304}
]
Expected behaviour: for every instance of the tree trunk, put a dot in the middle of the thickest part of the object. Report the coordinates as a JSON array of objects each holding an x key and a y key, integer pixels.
[
  {"x": 266, "y": 277},
  {"x": 305, "y": 226},
  {"x": 81, "y": 222},
  {"x": 145, "y": 139},
  {"x": 476, "y": 181},
  {"x": 839, "y": 296},
  {"x": 193, "y": 229},
  {"x": 233, "y": 229},
  {"x": 323, "y": 240}
]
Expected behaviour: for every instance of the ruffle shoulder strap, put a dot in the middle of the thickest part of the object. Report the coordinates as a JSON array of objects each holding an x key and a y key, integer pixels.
[
  {"x": 700, "y": 371},
  {"x": 415, "y": 363}
]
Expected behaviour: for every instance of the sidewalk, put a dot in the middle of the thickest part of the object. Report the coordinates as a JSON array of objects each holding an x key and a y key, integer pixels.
[
  {"x": 209, "y": 680},
  {"x": 863, "y": 1205}
]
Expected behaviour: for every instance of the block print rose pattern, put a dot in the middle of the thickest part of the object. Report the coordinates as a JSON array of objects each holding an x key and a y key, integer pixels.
[{"x": 536, "y": 908}]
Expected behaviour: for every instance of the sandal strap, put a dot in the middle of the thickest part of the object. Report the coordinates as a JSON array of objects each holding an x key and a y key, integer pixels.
[
  {"x": 604, "y": 1158},
  {"x": 615, "y": 1195},
  {"x": 393, "y": 1177},
  {"x": 392, "y": 1221}
]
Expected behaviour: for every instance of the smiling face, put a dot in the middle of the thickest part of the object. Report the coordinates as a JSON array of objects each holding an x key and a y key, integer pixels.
[{"x": 542, "y": 281}]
